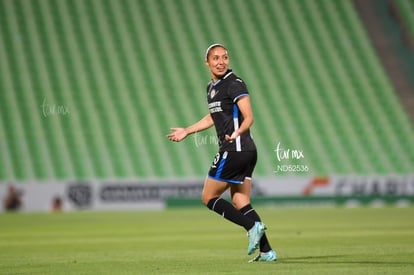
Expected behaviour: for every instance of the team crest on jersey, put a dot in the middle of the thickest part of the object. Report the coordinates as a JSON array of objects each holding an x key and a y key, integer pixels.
[{"x": 213, "y": 93}]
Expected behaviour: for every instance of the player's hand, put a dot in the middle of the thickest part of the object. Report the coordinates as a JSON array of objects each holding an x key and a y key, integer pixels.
[
  {"x": 177, "y": 135},
  {"x": 231, "y": 138}
]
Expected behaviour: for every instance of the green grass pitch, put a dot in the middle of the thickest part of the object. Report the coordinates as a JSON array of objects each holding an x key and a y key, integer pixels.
[{"x": 197, "y": 241}]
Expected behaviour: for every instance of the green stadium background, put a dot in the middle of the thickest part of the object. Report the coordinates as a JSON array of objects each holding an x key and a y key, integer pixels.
[{"x": 89, "y": 89}]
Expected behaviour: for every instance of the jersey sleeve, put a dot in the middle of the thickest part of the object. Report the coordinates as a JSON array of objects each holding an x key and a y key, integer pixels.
[{"x": 237, "y": 89}]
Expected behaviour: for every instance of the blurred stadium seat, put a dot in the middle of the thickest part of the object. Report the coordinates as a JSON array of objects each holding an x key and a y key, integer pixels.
[
  {"x": 407, "y": 10},
  {"x": 89, "y": 89}
]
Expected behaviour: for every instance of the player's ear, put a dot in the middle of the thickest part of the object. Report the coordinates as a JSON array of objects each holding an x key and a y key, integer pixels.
[{"x": 206, "y": 63}]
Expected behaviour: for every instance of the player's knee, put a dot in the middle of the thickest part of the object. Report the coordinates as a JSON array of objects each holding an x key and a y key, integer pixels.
[
  {"x": 236, "y": 205},
  {"x": 212, "y": 202},
  {"x": 240, "y": 203},
  {"x": 205, "y": 199}
]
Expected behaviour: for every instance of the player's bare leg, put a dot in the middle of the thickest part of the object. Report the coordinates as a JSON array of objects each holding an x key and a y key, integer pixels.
[
  {"x": 212, "y": 191},
  {"x": 240, "y": 195}
]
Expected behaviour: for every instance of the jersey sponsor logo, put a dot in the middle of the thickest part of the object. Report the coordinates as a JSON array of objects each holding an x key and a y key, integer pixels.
[{"x": 215, "y": 107}]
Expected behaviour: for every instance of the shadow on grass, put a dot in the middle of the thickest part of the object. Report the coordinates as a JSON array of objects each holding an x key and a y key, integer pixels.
[{"x": 336, "y": 259}]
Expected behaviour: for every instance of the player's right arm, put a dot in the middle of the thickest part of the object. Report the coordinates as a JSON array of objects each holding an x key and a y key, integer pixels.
[{"x": 178, "y": 134}]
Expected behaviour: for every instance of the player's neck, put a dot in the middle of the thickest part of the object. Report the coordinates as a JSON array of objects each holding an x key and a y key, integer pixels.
[{"x": 214, "y": 78}]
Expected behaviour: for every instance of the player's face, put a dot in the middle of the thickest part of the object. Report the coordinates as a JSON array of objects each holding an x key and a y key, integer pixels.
[{"x": 218, "y": 62}]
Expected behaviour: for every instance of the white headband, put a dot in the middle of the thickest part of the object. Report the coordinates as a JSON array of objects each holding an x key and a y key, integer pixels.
[{"x": 213, "y": 46}]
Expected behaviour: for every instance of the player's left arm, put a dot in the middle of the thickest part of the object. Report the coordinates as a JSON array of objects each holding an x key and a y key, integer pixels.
[{"x": 245, "y": 108}]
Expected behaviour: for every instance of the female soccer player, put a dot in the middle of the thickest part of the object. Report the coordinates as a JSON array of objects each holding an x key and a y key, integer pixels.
[{"x": 231, "y": 114}]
